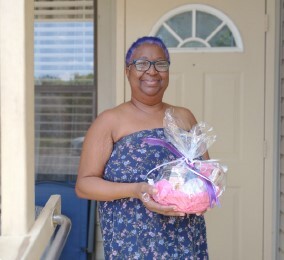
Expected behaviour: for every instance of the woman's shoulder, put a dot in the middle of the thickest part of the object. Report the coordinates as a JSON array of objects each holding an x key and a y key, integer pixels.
[
  {"x": 111, "y": 114},
  {"x": 105, "y": 121},
  {"x": 111, "y": 121}
]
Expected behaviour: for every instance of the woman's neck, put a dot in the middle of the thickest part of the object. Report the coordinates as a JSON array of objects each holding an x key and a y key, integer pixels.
[{"x": 148, "y": 108}]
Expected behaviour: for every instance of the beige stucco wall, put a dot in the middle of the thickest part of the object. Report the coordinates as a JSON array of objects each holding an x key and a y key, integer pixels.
[
  {"x": 17, "y": 117},
  {"x": 21, "y": 236}
]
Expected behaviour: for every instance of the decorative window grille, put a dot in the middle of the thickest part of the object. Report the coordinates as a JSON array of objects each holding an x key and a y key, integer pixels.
[
  {"x": 198, "y": 28},
  {"x": 65, "y": 91}
]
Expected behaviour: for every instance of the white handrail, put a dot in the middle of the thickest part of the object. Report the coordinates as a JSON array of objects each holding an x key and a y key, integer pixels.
[{"x": 57, "y": 244}]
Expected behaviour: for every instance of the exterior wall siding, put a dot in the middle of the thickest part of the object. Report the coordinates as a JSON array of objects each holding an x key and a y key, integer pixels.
[{"x": 281, "y": 217}]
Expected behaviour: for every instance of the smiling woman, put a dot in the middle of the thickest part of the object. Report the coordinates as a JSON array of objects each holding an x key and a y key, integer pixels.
[{"x": 115, "y": 161}]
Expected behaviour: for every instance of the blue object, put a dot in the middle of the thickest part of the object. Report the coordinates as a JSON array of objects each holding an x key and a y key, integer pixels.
[{"x": 76, "y": 209}]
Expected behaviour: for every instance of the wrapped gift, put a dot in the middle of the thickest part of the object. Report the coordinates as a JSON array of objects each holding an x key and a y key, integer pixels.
[{"x": 191, "y": 184}]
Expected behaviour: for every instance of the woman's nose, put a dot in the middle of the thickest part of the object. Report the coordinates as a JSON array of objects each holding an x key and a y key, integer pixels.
[{"x": 152, "y": 69}]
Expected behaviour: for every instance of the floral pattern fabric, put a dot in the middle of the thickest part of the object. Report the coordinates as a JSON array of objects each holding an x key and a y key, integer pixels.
[{"x": 131, "y": 231}]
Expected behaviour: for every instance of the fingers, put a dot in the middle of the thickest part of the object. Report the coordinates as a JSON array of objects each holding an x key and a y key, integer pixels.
[
  {"x": 200, "y": 213},
  {"x": 162, "y": 209},
  {"x": 145, "y": 197},
  {"x": 146, "y": 191}
]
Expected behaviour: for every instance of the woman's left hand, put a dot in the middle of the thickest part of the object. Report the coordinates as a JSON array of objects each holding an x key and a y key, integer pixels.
[
  {"x": 145, "y": 192},
  {"x": 151, "y": 205}
]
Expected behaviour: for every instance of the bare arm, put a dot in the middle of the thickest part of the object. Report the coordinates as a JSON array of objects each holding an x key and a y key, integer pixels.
[{"x": 96, "y": 151}]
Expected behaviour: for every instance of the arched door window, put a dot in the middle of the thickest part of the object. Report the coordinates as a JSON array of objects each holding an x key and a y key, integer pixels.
[{"x": 198, "y": 28}]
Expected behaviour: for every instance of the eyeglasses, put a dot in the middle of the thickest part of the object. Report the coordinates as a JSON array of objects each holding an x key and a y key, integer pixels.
[{"x": 144, "y": 65}]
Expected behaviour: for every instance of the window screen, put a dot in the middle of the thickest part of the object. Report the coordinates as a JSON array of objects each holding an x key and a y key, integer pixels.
[{"x": 65, "y": 84}]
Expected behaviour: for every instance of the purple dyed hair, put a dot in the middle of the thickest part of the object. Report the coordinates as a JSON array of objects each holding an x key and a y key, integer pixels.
[{"x": 143, "y": 40}]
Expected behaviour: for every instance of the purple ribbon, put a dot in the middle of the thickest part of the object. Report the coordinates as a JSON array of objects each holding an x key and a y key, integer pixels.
[{"x": 208, "y": 183}]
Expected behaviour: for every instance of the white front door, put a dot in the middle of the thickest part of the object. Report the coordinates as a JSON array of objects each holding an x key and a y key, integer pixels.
[{"x": 225, "y": 89}]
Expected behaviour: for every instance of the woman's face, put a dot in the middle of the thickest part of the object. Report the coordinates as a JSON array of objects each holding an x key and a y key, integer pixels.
[{"x": 148, "y": 85}]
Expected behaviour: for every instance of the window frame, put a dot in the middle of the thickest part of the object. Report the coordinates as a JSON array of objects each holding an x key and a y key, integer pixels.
[{"x": 206, "y": 9}]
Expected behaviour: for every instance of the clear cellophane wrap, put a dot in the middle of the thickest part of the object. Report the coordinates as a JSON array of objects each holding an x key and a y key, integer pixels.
[{"x": 190, "y": 183}]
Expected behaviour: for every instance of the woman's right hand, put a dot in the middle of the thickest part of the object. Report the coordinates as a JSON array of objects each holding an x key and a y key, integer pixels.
[{"x": 146, "y": 191}]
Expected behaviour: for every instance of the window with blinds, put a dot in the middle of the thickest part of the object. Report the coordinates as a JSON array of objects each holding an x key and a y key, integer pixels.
[{"x": 65, "y": 91}]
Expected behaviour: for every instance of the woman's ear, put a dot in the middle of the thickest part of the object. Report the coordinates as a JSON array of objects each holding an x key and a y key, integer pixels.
[{"x": 127, "y": 71}]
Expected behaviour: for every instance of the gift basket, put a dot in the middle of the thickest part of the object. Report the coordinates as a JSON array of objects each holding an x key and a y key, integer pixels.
[{"x": 191, "y": 184}]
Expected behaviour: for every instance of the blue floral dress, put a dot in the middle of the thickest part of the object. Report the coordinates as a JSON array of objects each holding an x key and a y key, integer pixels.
[{"x": 129, "y": 230}]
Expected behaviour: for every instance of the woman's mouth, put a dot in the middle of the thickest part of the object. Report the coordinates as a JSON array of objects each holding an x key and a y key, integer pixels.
[{"x": 151, "y": 82}]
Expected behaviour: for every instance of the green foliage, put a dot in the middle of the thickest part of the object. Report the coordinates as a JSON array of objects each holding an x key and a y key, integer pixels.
[{"x": 76, "y": 80}]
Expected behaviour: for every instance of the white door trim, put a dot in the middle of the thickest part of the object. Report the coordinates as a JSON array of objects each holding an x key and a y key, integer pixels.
[{"x": 271, "y": 142}]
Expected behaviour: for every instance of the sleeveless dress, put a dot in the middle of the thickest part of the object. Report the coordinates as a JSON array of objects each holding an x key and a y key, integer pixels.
[{"x": 131, "y": 231}]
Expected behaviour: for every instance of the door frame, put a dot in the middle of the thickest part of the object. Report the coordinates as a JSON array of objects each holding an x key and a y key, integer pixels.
[{"x": 271, "y": 129}]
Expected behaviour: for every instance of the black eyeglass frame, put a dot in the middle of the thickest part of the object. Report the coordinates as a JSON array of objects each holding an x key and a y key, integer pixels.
[{"x": 150, "y": 64}]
